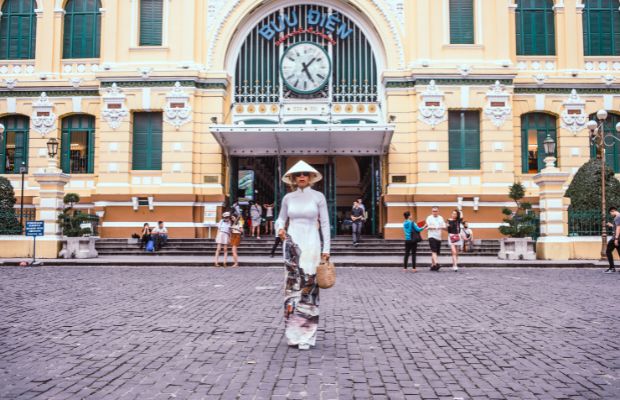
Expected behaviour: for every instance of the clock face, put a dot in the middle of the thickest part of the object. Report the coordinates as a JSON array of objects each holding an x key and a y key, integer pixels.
[{"x": 305, "y": 67}]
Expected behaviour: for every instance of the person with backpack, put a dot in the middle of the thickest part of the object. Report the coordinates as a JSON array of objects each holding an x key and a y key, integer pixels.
[{"x": 412, "y": 238}]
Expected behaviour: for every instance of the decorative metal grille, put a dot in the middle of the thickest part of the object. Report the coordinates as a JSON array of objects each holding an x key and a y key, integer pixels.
[{"x": 354, "y": 70}]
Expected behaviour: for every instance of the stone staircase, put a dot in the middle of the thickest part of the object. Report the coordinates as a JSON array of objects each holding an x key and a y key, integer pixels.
[{"x": 341, "y": 246}]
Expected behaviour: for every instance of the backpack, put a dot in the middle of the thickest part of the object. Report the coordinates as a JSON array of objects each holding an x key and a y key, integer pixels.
[{"x": 150, "y": 246}]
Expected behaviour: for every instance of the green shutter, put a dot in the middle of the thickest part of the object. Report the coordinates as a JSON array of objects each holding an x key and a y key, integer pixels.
[
  {"x": 18, "y": 26},
  {"x": 147, "y": 141},
  {"x": 461, "y": 21},
  {"x": 19, "y": 125},
  {"x": 151, "y": 17},
  {"x": 464, "y": 140},
  {"x": 601, "y": 28},
  {"x": 65, "y": 151},
  {"x": 544, "y": 124},
  {"x": 612, "y": 151},
  {"x": 82, "y": 29},
  {"x": 535, "y": 27}
]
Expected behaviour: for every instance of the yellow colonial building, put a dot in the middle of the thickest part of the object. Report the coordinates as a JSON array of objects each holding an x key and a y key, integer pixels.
[{"x": 174, "y": 109}]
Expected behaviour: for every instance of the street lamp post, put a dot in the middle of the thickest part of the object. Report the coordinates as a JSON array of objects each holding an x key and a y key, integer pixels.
[
  {"x": 52, "y": 150},
  {"x": 22, "y": 171},
  {"x": 598, "y": 138}
]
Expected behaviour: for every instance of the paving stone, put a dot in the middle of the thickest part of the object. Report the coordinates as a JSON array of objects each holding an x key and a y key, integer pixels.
[{"x": 204, "y": 333}]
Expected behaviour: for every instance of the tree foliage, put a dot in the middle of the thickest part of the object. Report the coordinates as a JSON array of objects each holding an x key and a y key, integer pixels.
[
  {"x": 9, "y": 225},
  {"x": 585, "y": 189},
  {"x": 522, "y": 221}
]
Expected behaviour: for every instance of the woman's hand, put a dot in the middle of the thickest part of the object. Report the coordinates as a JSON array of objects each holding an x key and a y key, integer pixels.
[{"x": 282, "y": 234}]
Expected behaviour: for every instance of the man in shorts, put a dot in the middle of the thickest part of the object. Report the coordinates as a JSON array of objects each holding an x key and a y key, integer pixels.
[
  {"x": 614, "y": 242},
  {"x": 436, "y": 224}
]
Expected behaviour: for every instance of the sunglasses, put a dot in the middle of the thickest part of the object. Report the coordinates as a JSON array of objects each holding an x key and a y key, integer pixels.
[{"x": 298, "y": 174}]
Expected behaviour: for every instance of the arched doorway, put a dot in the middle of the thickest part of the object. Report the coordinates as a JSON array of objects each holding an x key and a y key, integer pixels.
[{"x": 306, "y": 84}]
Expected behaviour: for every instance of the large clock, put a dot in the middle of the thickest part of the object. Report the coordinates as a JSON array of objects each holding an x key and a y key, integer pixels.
[{"x": 305, "y": 67}]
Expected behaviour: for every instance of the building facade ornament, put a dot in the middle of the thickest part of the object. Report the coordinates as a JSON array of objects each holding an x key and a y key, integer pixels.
[
  {"x": 114, "y": 109},
  {"x": 43, "y": 117},
  {"x": 540, "y": 79},
  {"x": 219, "y": 11},
  {"x": 432, "y": 110},
  {"x": 464, "y": 69},
  {"x": 498, "y": 104},
  {"x": 608, "y": 80},
  {"x": 10, "y": 83},
  {"x": 574, "y": 116},
  {"x": 178, "y": 110}
]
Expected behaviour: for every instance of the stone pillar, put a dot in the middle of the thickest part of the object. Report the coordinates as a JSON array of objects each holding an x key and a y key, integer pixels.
[
  {"x": 553, "y": 243},
  {"x": 52, "y": 190}
]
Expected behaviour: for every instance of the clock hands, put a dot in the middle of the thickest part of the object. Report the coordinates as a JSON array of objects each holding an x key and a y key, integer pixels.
[{"x": 305, "y": 68}]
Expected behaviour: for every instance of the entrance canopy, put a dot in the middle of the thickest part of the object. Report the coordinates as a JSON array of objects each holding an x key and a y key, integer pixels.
[{"x": 326, "y": 139}]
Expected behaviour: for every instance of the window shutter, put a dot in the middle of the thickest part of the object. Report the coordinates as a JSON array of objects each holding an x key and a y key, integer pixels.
[
  {"x": 461, "y": 21},
  {"x": 151, "y": 16},
  {"x": 18, "y": 30},
  {"x": 65, "y": 151},
  {"x": 91, "y": 151},
  {"x": 464, "y": 139},
  {"x": 535, "y": 27},
  {"x": 3, "y": 151},
  {"x": 147, "y": 141},
  {"x": 82, "y": 29}
]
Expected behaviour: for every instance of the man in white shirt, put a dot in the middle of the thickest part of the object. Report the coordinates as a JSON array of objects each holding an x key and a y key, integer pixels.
[
  {"x": 436, "y": 224},
  {"x": 160, "y": 233}
]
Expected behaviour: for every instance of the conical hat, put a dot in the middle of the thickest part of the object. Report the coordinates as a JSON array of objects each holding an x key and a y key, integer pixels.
[{"x": 302, "y": 166}]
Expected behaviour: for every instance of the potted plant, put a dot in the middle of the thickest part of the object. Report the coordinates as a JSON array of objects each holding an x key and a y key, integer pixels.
[
  {"x": 77, "y": 230},
  {"x": 519, "y": 226}
]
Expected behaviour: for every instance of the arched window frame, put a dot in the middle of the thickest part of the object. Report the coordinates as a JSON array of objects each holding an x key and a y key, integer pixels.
[
  {"x": 70, "y": 125},
  {"x": 19, "y": 125},
  {"x": 601, "y": 28},
  {"x": 85, "y": 15},
  {"x": 612, "y": 152},
  {"x": 544, "y": 124},
  {"x": 528, "y": 15},
  {"x": 18, "y": 30}
]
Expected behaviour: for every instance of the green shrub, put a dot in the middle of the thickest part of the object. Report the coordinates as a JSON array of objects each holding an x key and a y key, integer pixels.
[
  {"x": 522, "y": 221},
  {"x": 70, "y": 219},
  {"x": 585, "y": 189},
  {"x": 9, "y": 225}
]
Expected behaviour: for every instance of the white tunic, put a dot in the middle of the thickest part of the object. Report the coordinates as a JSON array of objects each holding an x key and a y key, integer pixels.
[{"x": 305, "y": 209}]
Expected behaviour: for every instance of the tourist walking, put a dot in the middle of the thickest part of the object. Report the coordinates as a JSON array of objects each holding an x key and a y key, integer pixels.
[
  {"x": 412, "y": 238},
  {"x": 236, "y": 231},
  {"x": 613, "y": 243},
  {"x": 268, "y": 219},
  {"x": 222, "y": 238},
  {"x": 357, "y": 217},
  {"x": 256, "y": 215},
  {"x": 302, "y": 207},
  {"x": 454, "y": 237},
  {"x": 435, "y": 225},
  {"x": 468, "y": 237}
]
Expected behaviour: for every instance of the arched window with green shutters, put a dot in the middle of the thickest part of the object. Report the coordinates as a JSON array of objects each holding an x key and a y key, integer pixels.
[
  {"x": 18, "y": 30},
  {"x": 534, "y": 129},
  {"x": 14, "y": 143},
  {"x": 151, "y": 17},
  {"x": 601, "y": 28},
  {"x": 461, "y": 21},
  {"x": 612, "y": 149},
  {"x": 77, "y": 149},
  {"x": 535, "y": 24},
  {"x": 82, "y": 31},
  {"x": 147, "y": 140},
  {"x": 464, "y": 139}
]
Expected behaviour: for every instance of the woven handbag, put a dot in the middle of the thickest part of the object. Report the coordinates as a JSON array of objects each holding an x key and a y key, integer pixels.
[{"x": 326, "y": 274}]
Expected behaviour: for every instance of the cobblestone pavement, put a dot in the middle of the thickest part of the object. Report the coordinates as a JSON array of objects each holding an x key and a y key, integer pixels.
[{"x": 192, "y": 333}]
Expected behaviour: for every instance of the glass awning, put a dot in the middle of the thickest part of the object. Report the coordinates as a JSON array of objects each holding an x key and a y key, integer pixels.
[{"x": 327, "y": 139}]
